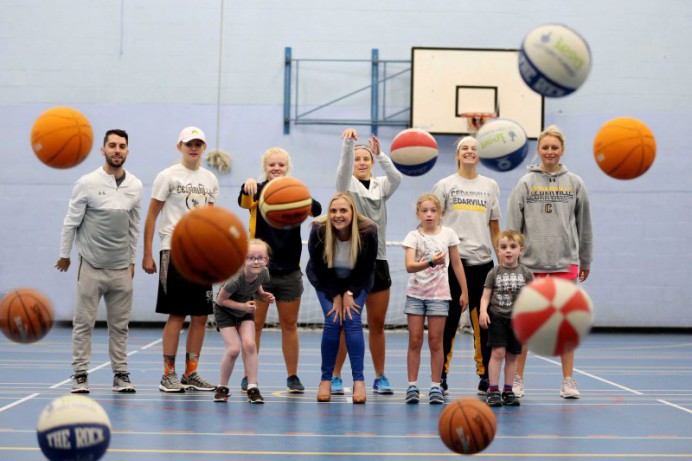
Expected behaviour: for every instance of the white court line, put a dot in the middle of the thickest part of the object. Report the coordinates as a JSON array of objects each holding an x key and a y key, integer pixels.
[
  {"x": 597, "y": 378},
  {"x": 674, "y": 406},
  {"x": 55, "y": 386},
  {"x": 10, "y": 405}
]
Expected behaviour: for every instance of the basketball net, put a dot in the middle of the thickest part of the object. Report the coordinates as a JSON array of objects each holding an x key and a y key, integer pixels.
[{"x": 475, "y": 120}]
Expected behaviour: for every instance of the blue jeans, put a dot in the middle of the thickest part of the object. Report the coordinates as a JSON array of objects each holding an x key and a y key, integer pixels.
[{"x": 331, "y": 335}]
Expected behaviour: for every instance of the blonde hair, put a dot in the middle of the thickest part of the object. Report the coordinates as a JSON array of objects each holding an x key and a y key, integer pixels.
[
  {"x": 460, "y": 143},
  {"x": 358, "y": 224},
  {"x": 432, "y": 198},
  {"x": 511, "y": 235},
  {"x": 552, "y": 130},
  {"x": 272, "y": 151},
  {"x": 260, "y": 242}
]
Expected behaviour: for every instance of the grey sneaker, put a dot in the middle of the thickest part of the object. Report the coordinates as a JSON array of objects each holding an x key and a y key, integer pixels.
[
  {"x": 80, "y": 385},
  {"x": 436, "y": 396},
  {"x": 294, "y": 385},
  {"x": 171, "y": 383},
  {"x": 494, "y": 399},
  {"x": 121, "y": 383},
  {"x": 412, "y": 394},
  {"x": 196, "y": 382},
  {"x": 254, "y": 396}
]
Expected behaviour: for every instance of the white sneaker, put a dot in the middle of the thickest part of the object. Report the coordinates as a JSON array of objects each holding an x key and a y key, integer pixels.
[
  {"x": 569, "y": 389},
  {"x": 518, "y": 386}
]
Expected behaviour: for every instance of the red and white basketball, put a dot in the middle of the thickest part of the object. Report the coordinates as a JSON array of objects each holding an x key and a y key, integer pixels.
[
  {"x": 414, "y": 152},
  {"x": 552, "y": 316}
]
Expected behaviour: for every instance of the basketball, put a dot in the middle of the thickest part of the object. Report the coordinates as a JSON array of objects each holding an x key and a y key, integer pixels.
[
  {"x": 552, "y": 316},
  {"x": 209, "y": 244},
  {"x": 502, "y": 144},
  {"x": 73, "y": 428},
  {"x": 26, "y": 315},
  {"x": 62, "y": 137},
  {"x": 624, "y": 148},
  {"x": 414, "y": 152},
  {"x": 554, "y": 60},
  {"x": 467, "y": 426},
  {"x": 285, "y": 203}
]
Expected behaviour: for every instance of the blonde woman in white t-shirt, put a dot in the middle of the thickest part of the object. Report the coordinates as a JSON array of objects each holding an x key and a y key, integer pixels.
[
  {"x": 471, "y": 207},
  {"x": 177, "y": 190},
  {"x": 430, "y": 250}
]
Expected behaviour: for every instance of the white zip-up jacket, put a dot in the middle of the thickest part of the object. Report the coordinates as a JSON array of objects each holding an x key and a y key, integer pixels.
[{"x": 105, "y": 218}]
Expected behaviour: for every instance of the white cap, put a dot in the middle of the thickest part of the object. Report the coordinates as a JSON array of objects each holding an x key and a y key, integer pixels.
[{"x": 189, "y": 133}]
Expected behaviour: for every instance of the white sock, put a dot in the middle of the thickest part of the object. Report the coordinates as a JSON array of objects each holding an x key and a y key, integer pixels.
[
  {"x": 413, "y": 383},
  {"x": 250, "y": 386},
  {"x": 433, "y": 384}
]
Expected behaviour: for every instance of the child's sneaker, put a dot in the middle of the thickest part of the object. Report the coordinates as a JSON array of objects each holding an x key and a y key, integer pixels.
[
  {"x": 569, "y": 389},
  {"x": 222, "y": 393},
  {"x": 243, "y": 384},
  {"x": 494, "y": 399},
  {"x": 337, "y": 386},
  {"x": 483, "y": 385},
  {"x": 518, "y": 386},
  {"x": 171, "y": 383},
  {"x": 382, "y": 386},
  {"x": 294, "y": 385},
  {"x": 509, "y": 399},
  {"x": 80, "y": 384},
  {"x": 196, "y": 382},
  {"x": 254, "y": 396},
  {"x": 121, "y": 383},
  {"x": 435, "y": 396},
  {"x": 412, "y": 394},
  {"x": 444, "y": 386}
]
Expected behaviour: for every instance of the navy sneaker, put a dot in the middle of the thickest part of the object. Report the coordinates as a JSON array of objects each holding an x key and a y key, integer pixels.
[
  {"x": 494, "y": 399},
  {"x": 435, "y": 396},
  {"x": 412, "y": 394},
  {"x": 509, "y": 399},
  {"x": 444, "y": 387},
  {"x": 483, "y": 386},
  {"x": 294, "y": 385}
]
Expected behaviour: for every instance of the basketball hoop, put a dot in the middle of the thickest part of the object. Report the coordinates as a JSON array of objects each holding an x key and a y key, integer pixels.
[{"x": 475, "y": 120}]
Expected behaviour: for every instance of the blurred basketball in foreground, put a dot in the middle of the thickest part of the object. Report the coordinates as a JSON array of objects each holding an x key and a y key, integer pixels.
[
  {"x": 414, "y": 152},
  {"x": 73, "y": 428},
  {"x": 208, "y": 245},
  {"x": 62, "y": 137},
  {"x": 26, "y": 315},
  {"x": 467, "y": 426},
  {"x": 624, "y": 148},
  {"x": 285, "y": 203},
  {"x": 502, "y": 144},
  {"x": 552, "y": 316},
  {"x": 554, "y": 60}
]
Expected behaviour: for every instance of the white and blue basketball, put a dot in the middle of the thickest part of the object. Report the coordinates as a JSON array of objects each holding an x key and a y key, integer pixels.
[
  {"x": 502, "y": 144},
  {"x": 73, "y": 428},
  {"x": 414, "y": 152},
  {"x": 554, "y": 60}
]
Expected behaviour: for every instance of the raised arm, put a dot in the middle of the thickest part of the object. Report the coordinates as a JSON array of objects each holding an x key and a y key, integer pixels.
[
  {"x": 392, "y": 174},
  {"x": 344, "y": 171}
]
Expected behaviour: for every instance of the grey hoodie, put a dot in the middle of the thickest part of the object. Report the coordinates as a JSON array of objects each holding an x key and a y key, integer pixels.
[{"x": 552, "y": 211}]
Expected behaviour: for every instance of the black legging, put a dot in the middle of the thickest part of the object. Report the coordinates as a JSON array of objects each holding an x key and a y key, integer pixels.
[{"x": 475, "y": 279}]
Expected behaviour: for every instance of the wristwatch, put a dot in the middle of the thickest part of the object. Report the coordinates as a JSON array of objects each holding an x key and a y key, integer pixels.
[{"x": 350, "y": 293}]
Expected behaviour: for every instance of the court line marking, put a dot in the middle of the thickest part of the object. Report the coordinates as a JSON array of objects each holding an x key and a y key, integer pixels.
[
  {"x": 674, "y": 406},
  {"x": 379, "y": 454},
  {"x": 597, "y": 378},
  {"x": 17, "y": 402}
]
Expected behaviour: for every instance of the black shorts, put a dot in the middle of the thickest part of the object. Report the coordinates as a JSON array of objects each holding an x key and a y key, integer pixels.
[
  {"x": 226, "y": 317},
  {"x": 286, "y": 288},
  {"x": 500, "y": 334},
  {"x": 382, "y": 278},
  {"x": 179, "y": 296}
]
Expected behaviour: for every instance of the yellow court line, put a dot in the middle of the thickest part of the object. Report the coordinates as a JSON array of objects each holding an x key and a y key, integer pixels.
[{"x": 350, "y": 453}]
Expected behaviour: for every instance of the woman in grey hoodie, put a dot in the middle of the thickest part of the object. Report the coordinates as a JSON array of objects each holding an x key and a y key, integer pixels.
[{"x": 550, "y": 206}]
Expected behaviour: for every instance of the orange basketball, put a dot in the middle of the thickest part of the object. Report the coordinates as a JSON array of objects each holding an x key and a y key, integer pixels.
[
  {"x": 285, "y": 203},
  {"x": 26, "y": 315},
  {"x": 208, "y": 245},
  {"x": 62, "y": 137},
  {"x": 624, "y": 148},
  {"x": 467, "y": 426}
]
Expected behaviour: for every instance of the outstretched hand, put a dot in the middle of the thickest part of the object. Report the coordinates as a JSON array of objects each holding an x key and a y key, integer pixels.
[
  {"x": 375, "y": 145},
  {"x": 350, "y": 133},
  {"x": 250, "y": 187}
]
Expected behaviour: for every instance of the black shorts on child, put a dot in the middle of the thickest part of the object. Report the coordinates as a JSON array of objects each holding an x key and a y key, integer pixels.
[
  {"x": 500, "y": 334},
  {"x": 226, "y": 317},
  {"x": 179, "y": 296}
]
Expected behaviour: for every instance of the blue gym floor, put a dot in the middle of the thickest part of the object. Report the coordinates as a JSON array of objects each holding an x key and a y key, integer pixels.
[{"x": 636, "y": 403}]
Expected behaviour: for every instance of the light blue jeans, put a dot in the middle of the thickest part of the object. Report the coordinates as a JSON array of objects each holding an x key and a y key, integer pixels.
[{"x": 331, "y": 335}]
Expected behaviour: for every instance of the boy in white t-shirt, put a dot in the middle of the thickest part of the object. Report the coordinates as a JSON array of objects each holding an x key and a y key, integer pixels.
[{"x": 428, "y": 250}]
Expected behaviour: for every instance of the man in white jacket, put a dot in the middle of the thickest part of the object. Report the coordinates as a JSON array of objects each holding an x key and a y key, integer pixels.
[{"x": 104, "y": 215}]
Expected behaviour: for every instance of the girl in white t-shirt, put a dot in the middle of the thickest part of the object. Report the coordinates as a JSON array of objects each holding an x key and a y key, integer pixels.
[{"x": 429, "y": 249}]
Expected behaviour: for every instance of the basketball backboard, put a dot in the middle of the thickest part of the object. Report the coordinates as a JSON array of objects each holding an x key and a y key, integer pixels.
[{"x": 447, "y": 82}]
